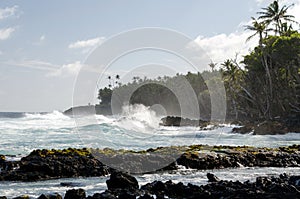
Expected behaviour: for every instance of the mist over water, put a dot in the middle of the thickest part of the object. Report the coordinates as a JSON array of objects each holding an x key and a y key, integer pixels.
[{"x": 137, "y": 128}]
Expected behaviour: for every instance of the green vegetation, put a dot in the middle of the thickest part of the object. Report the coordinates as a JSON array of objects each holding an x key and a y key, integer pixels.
[
  {"x": 63, "y": 152},
  {"x": 264, "y": 86}
]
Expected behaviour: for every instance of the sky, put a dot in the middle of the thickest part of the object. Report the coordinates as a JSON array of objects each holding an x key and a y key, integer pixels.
[{"x": 44, "y": 44}]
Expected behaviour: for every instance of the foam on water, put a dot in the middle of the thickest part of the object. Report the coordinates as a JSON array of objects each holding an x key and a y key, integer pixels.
[{"x": 137, "y": 128}]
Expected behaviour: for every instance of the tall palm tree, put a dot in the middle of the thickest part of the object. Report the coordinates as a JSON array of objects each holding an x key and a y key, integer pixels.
[
  {"x": 231, "y": 70},
  {"x": 259, "y": 28},
  {"x": 276, "y": 15}
]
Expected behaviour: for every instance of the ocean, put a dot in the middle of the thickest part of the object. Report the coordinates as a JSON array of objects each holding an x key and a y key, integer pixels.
[{"x": 137, "y": 128}]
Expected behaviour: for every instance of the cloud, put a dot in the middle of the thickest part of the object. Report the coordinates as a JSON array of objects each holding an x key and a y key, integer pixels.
[
  {"x": 221, "y": 47},
  {"x": 53, "y": 70},
  {"x": 5, "y": 33},
  {"x": 67, "y": 70},
  {"x": 86, "y": 43},
  {"x": 34, "y": 64},
  {"x": 7, "y": 12}
]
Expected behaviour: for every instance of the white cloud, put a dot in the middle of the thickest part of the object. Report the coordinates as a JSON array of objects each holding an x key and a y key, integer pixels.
[
  {"x": 34, "y": 64},
  {"x": 53, "y": 70},
  {"x": 87, "y": 43},
  {"x": 221, "y": 47},
  {"x": 7, "y": 12},
  {"x": 67, "y": 70},
  {"x": 5, "y": 33}
]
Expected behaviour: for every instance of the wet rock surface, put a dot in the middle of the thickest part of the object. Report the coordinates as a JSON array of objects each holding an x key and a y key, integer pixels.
[
  {"x": 120, "y": 180},
  {"x": 282, "y": 186},
  {"x": 50, "y": 164},
  {"x": 180, "y": 121},
  {"x": 50, "y": 196},
  {"x": 274, "y": 127},
  {"x": 271, "y": 127}
]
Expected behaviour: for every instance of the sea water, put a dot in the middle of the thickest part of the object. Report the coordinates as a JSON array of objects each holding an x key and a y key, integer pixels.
[{"x": 137, "y": 128}]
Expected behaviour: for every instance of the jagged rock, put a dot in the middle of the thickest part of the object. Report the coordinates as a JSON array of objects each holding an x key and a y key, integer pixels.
[
  {"x": 50, "y": 196},
  {"x": 120, "y": 180},
  {"x": 47, "y": 164},
  {"x": 75, "y": 194},
  {"x": 212, "y": 178}
]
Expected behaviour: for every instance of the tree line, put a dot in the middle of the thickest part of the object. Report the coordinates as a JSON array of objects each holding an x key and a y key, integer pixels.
[{"x": 265, "y": 85}]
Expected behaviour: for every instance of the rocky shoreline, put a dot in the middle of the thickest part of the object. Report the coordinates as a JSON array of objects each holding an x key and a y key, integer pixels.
[
  {"x": 124, "y": 186},
  {"x": 67, "y": 163},
  {"x": 256, "y": 127}
]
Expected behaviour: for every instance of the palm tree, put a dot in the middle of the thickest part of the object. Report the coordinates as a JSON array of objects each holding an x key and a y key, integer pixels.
[
  {"x": 231, "y": 70},
  {"x": 276, "y": 15},
  {"x": 259, "y": 28},
  {"x": 212, "y": 65}
]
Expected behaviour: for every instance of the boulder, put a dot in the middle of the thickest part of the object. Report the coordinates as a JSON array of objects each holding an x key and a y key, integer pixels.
[
  {"x": 104, "y": 195},
  {"x": 248, "y": 128},
  {"x": 212, "y": 178},
  {"x": 120, "y": 180},
  {"x": 50, "y": 196},
  {"x": 75, "y": 194}
]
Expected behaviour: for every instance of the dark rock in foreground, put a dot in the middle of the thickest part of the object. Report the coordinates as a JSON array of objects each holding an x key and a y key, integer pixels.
[
  {"x": 50, "y": 196},
  {"x": 264, "y": 187},
  {"x": 123, "y": 186},
  {"x": 119, "y": 180},
  {"x": 283, "y": 186},
  {"x": 49, "y": 164},
  {"x": 212, "y": 178},
  {"x": 75, "y": 194}
]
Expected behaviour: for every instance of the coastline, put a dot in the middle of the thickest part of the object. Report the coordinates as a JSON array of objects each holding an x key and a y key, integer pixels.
[{"x": 199, "y": 157}]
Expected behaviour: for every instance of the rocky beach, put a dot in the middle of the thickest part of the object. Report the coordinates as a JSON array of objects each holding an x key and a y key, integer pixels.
[{"x": 70, "y": 163}]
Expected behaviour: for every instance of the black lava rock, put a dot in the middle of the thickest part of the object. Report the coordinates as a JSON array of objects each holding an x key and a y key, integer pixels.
[
  {"x": 75, "y": 194},
  {"x": 120, "y": 180}
]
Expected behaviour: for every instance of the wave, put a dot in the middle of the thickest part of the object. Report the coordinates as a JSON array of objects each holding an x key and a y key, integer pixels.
[
  {"x": 51, "y": 115},
  {"x": 138, "y": 118}
]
